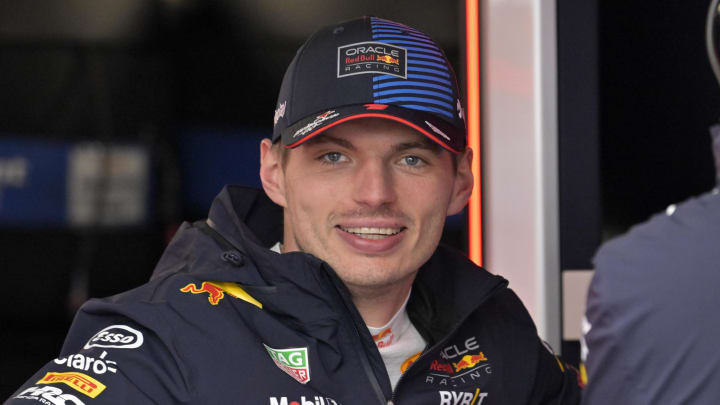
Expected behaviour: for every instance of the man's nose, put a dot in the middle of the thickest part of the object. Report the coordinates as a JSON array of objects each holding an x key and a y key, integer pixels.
[{"x": 373, "y": 185}]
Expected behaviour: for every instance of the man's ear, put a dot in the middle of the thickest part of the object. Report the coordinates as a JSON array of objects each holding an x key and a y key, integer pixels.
[
  {"x": 463, "y": 185},
  {"x": 271, "y": 172}
]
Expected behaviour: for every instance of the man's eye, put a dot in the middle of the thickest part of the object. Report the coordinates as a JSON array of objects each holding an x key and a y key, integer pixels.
[
  {"x": 412, "y": 161},
  {"x": 333, "y": 157}
]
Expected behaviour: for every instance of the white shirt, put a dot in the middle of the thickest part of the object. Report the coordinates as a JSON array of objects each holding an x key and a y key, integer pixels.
[{"x": 399, "y": 343}]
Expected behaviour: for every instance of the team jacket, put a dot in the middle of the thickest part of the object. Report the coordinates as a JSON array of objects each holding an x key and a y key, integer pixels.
[{"x": 224, "y": 320}]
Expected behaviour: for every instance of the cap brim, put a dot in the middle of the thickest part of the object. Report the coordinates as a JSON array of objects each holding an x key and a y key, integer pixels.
[{"x": 438, "y": 130}]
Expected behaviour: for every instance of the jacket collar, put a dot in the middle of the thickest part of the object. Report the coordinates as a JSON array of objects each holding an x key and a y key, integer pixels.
[
  {"x": 246, "y": 213},
  {"x": 447, "y": 289}
]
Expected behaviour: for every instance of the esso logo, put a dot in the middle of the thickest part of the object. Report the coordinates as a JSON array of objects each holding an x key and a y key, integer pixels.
[{"x": 117, "y": 336}]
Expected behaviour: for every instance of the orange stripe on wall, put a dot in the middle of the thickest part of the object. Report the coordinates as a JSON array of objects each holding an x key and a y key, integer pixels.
[{"x": 472, "y": 46}]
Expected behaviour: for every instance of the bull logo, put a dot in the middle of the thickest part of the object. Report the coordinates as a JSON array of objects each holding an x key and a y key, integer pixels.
[
  {"x": 215, "y": 293},
  {"x": 217, "y": 289},
  {"x": 388, "y": 59},
  {"x": 469, "y": 361}
]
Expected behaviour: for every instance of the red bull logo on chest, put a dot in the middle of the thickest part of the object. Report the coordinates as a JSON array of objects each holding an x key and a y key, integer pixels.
[
  {"x": 460, "y": 364},
  {"x": 215, "y": 293},
  {"x": 469, "y": 361}
]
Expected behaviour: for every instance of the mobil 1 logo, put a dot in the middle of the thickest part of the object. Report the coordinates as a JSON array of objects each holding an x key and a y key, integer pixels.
[{"x": 371, "y": 57}]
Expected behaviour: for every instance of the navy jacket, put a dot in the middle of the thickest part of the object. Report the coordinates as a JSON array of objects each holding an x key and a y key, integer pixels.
[{"x": 225, "y": 320}]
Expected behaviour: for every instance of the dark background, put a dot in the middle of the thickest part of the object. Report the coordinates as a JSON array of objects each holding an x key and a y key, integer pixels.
[
  {"x": 658, "y": 97},
  {"x": 636, "y": 96}
]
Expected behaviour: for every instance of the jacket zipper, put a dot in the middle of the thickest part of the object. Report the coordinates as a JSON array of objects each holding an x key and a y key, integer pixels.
[
  {"x": 367, "y": 368},
  {"x": 369, "y": 371},
  {"x": 393, "y": 398}
]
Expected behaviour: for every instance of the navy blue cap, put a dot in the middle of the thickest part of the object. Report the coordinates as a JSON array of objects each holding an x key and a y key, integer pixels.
[{"x": 370, "y": 67}]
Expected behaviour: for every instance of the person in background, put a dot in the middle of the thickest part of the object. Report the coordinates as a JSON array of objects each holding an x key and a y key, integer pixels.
[
  {"x": 329, "y": 286},
  {"x": 653, "y": 309}
]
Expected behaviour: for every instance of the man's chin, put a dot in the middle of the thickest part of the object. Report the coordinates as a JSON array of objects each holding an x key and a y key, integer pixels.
[{"x": 370, "y": 272}]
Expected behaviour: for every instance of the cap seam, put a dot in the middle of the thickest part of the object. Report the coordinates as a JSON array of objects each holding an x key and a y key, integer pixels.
[{"x": 293, "y": 90}]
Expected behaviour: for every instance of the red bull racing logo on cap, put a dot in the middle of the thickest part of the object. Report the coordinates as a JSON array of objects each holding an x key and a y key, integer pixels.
[
  {"x": 388, "y": 59},
  {"x": 292, "y": 361},
  {"x": 371, "y": 57}
]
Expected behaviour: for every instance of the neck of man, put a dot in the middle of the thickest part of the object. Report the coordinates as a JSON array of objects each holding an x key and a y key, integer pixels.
[{"x": 376, "y": 305}]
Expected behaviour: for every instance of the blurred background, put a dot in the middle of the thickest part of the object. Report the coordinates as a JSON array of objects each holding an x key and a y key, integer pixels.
[{"x": 121, "y": 118}]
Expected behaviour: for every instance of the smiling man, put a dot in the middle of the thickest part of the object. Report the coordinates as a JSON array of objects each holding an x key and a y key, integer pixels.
[
  {"x": 329, "y": 287},
  {"x": 369, "y": 197}
]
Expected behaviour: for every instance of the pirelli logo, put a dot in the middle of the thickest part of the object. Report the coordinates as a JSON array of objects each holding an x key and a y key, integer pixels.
[{"x": 77, "y": 381}]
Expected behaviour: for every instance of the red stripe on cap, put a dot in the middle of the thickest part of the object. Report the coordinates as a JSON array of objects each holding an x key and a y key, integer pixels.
[
  {"x": 376, "y": 106},
  {"x": 375, "y": 115}
]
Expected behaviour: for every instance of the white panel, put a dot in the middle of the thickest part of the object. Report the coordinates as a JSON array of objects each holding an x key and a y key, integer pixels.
[
  {"x": 575, "y": 288},
  {"x": 520, "y": 200}
]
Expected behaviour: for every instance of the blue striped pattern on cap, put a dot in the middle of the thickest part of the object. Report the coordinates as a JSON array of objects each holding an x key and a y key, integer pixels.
[{"x": 429, "y": 85}]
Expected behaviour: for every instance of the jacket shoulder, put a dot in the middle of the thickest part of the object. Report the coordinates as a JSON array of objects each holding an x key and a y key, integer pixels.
[{"x": 112, "y": 356}]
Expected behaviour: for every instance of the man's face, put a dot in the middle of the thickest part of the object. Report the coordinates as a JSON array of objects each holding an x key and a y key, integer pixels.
[{"x": 370, "y": 198}]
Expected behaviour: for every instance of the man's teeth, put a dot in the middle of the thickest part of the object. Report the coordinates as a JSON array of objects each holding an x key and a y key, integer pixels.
[{"x": 372, "y": 233}]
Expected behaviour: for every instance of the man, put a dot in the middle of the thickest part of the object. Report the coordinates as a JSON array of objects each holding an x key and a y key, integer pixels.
[
  {"x": 652, "y": 329},
  {"x": 358, "y": 304}
]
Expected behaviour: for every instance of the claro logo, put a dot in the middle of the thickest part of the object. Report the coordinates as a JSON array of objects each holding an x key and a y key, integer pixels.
[{"x": 117, "y": 336}]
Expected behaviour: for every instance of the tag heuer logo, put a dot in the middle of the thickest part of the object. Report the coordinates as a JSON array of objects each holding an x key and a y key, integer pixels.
[{"x": 292, "y": 361}]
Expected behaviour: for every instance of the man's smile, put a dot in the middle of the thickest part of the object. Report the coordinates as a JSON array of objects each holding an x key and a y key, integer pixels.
[
  {"x": 371, "y": 239},
  {"x": 366, "y": 232}
]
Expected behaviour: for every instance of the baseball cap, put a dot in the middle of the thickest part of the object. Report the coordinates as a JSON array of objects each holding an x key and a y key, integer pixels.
[{"x": 369, "y": 67}]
